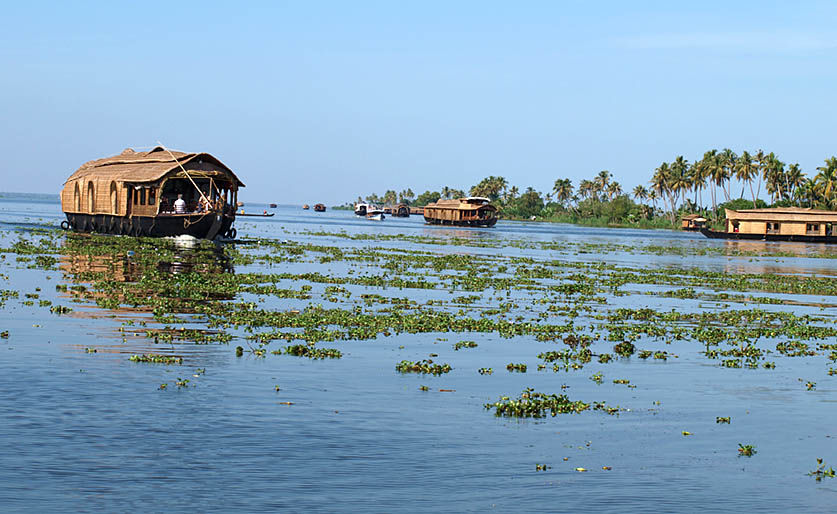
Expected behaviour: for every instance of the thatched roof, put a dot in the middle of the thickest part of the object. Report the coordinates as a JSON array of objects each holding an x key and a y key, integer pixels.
[
  {"x": 780, "y": 214},
  {"x": 468, "y": 204},
  {"x": 131, "y": 166}
]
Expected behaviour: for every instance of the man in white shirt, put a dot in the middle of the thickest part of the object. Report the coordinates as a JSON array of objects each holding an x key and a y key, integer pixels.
[{"x": 180, "y": 205}]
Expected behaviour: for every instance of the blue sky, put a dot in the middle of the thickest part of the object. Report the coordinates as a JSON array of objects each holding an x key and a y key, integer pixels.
[{"x": 324, "y": 101}]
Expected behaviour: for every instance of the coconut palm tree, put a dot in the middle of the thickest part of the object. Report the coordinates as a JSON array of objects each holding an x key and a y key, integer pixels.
[
  {"x": 794, "y": 178},
  {"x": 586, "y": 189},
  {"x": 601, "y": 182},
  {"x": 745, "y": 170},
  {"x": 563, "y": 190},
  {"x": 614, "y": 189},
  {"x": 640, "y": 193},
  {"x": 825, "y": 183},
  {"x": 679, "y": 180},
  {"x": 661, "y": 183},
  {"x": 728, "y": 161}
]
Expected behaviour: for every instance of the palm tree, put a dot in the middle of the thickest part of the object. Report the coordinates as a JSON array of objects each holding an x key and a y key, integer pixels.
[
  {"x": 825, "y": 183},
  {"x": 513, "y": 192},
  {"x": 679, "y": 180},
  {"x": 601, "y": 182},
  {"x": 794, "y": 178},
  {"x": 640, "y": 193},
  {"x": 661, "y": 183},
  {"x": 761, "y": 161},
  {"x": 728, "y": 162},
  {"x": 614, "y": 189},
  {"x": 745, "y": 170},
  {"x": 586, "y": 188},
  {"x": 563, "y": 190}
]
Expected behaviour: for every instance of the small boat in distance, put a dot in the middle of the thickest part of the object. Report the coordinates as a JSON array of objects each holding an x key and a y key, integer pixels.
[
  {"x": 778, "y": 224},
  {"x": 157, "y": 193},
  {"x": 320, "y": 207},
  {"x": 692, "y": 222},
  {"x": 361, "y": 208},
  {"x": 305, "y": 207},
  {"x": 375, "y": 214},
  {"x": 272, "y": 206},
  {"x": 473, "y": 211}
]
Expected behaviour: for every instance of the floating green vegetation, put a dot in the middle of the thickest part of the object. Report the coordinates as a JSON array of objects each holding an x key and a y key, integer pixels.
[
  {"x": 464, "y": 344},
  {"x": 720, "y": 420},
  {"x": 597, "y": 378},
  {"x": 485, "y": 371},
  {"x": 625, "y": 348},
  {"x": 821, "y": 471},
  {"x": 532, "y": 404},
  {"x": 303, "y": 350},
  {"x": 513, "y": 367},
  {"x": 426, "y": 366},
  {"x": 746, "y": 450},
  {"x": 542, "y": 467},
  {"x": 157, "y": 358},
  {"x": 4, "y": 334}
]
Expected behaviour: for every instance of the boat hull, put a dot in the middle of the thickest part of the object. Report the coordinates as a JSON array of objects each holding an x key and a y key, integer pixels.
[
  {"x": 375, "y": 217},
  {"x": 714, "y": 234},
  {"x": 201, "y": 226},
  {"x": 462, "y": 223}
]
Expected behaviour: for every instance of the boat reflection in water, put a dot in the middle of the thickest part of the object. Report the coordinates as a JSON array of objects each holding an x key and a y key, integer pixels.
[{"x": 185, "y": 255}]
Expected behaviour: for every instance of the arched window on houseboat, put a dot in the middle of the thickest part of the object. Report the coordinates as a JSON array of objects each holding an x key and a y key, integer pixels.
[
  {"x": 76, "y": 198},
  {"x": 91, "y": 198},
  {"x": 114, "y": 198}
]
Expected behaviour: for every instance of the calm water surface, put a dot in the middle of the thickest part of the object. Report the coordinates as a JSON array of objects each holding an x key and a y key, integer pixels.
[{"x": 82, "y": 431}]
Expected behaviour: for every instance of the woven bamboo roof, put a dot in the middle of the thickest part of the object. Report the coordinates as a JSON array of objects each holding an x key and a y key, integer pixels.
[
  {"x": 464, "y": 204},
  {"x": 780, "y": 214},
  {"x": 131, "y": 166}
]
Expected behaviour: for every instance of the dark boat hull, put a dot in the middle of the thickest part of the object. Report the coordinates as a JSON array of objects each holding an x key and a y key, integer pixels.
[
  {"x": 714, "y": 234},
  {"x": 466, "y": 223},
  {"x": 201, "y": 226}
]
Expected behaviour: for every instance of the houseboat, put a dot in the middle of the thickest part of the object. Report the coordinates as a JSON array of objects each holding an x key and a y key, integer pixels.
[
  {"x": 156, "y": 193},
  {"x": 693, "y": 222},
  {"x": 468, "y": 212},
  {"x": 375, "y": 214},
  {"x": 401, "y": 211},
  {"x": 778, "y": 224},
  {"x": 320, "y": 207},
  {"x": 361, "y": 208},
  {"x": 305, "y": 207}
]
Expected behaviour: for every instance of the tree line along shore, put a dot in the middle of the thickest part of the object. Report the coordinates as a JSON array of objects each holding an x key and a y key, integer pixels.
[{"x": 705, "y": 186}]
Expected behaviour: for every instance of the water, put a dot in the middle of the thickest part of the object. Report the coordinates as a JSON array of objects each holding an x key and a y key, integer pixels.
[{"x": 93, "y": 431}]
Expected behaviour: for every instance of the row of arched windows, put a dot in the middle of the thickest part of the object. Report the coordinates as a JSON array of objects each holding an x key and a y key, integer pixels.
[{"x": 91, "y": 197}]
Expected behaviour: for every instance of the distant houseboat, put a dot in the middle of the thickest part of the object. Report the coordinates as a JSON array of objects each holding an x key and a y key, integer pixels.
[
  {"x": 320, "y": 207},
  {"x": 155, "y": 193},
  {"x": 692, "y": 222},
  {"x": 375, "y": 214},
  {"x": 361, "y": 208},
  {"x": 469, "y": 212},
  {"x": 401, "y": 211},
  {"x": 778, "y": 224},
  {"x": 305, "y": 207}
]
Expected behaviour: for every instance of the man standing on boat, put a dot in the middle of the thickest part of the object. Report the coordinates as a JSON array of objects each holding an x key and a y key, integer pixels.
[{"x": 180, "y": 205}]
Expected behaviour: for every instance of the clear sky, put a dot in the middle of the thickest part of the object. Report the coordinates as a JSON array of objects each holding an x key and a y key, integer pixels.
[{"x": 323, "y": 101}]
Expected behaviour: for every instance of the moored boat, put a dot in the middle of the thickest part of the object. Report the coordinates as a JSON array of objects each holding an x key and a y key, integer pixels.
[
  {"x": 472, "y": 211},
  {"x": 361, "y": 208},
  {"x": 320, "y": 207},
  {"x": 778, "y": 224},
  {"x": 375, "y": 214},
  {"x": 156, "y": 193},
  {"x": 692, "y": 222}
]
